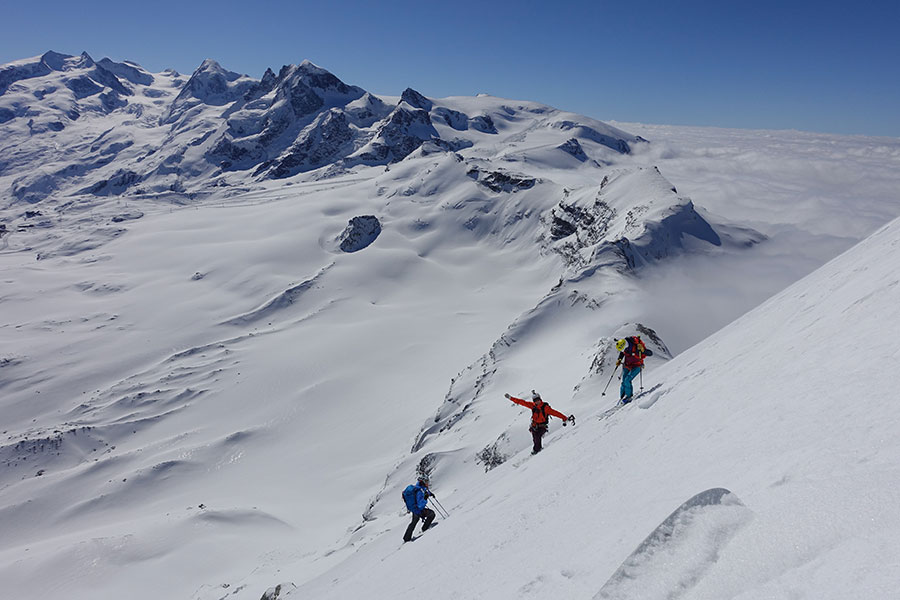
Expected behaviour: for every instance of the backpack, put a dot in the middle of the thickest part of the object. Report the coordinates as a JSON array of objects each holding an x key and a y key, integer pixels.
[
  {"x": 540, "y": 411},
  {"x": 635, "y": 346},
  {"x": 409, "y": 497},
  {"x": 635, "y": 352}
]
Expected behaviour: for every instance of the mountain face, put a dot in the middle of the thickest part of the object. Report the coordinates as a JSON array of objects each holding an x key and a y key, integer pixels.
[
  {"x": 217, "y": 267},
  {"x": 94, "y": 126}
]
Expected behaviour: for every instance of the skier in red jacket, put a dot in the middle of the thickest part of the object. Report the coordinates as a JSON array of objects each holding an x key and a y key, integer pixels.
[
  {"x": 632, "y": 352},
  {"x": 540, "y": 415}
]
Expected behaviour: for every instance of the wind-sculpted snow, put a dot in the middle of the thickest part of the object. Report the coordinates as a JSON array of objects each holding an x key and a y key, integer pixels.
[
  {"x": 280, "y": 302},
  {"x": 674, "y": 557}
]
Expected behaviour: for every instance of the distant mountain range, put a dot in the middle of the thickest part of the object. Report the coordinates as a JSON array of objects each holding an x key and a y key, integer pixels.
[{"x": 76, "y": 125}]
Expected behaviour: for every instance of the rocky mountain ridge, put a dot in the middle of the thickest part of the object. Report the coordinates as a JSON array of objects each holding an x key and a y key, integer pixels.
[{"x": 75, "y": 126}]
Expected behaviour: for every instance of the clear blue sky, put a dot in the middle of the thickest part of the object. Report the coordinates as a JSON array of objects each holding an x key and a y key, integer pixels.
[{"x": 816, "y": 66}]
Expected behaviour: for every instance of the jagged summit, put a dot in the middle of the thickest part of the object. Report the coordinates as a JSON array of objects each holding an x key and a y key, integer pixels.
[
  {"x": 212, "y": 85},
  {"x": 415, "y": 99},
  {"x": 220, "y": 129}
]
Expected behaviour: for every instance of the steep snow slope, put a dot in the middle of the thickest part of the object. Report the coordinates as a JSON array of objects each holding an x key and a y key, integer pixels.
[{"x": 782, "y": 408}]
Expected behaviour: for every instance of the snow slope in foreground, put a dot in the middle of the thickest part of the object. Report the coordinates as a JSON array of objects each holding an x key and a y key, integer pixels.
[{"x": 792, "y": 408}]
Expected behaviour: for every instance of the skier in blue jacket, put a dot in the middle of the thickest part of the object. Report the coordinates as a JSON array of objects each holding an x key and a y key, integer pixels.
[{"x": 416, "y": 498}]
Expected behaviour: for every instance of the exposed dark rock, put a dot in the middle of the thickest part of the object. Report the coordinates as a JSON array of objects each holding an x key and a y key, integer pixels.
[
  {"x": 278, "y": 592},
  {"x": 577, "y": 226},
  {"x": 210, "y": 84},
  {"x": 483, "y": 123},
  {"x": 317, "y": 145},
  {"x": 403, "y": 132},
  {"x": 303, "y": 99},
  {"x": 494, "y": 454},
  {"x": 583, "y": 131},
  {"x": 360, "y": 233},
  {"x": 83, "y": 87},
  {"x": 268, "y": 80},
  {"x": 34, "y": 187},
  {"x": 12, "y": 74},
  {"x": 127, "y": 216},
  {"x": 367, "y": 110},
  {"x": 127, "y": 72},
  {"x": 453, "y": 145},
  {"x": 108, "y": 79},
  {"x": 571, "y": 146},
  {"x": 415, "y": 99},
  {"x": 267, "y": 84},
  {"x": 452, "y": 118},
  {"x": 112, "y": 101},
  {"x": 116, "y": 184},
  {"x": 500, "y": 181}
]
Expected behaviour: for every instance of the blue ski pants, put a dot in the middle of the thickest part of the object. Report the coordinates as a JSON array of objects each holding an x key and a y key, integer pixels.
[{"x": 628, "y": 375}]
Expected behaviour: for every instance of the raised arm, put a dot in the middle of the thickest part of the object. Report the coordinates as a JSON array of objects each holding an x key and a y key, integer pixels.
[{"x": 519, "y": 401}]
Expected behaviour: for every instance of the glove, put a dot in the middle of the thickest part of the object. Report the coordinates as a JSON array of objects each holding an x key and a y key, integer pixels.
[
  {"x": 507, "y": 395},
  {"x": 564, "y": 423},
  {"x": 618, "y": 362}
]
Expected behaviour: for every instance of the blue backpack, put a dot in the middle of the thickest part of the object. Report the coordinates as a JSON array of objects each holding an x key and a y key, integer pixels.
[{"x": 409, "y": 496}]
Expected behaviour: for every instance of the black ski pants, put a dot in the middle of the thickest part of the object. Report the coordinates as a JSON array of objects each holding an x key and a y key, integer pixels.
[
  {"x": 427, "y": 515},
  {"x": 537, "y": 432}
]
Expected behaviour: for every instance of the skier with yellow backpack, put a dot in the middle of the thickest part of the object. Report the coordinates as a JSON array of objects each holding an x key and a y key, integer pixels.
[{"x": 631, "y": 356}]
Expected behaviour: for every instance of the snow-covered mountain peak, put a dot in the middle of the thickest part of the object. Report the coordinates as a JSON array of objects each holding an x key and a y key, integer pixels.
[
  {"x": 128, "y": 71},
  {"x": 64, "y": 62},
  {"x": 210, "y": 84},
  {"x": 415, "y": 99}
]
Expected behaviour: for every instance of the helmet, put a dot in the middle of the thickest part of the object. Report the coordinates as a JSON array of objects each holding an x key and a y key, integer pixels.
[
  {"x": 535, "y": 395},
  {"x": 620, "y": 344},
  {"x": 424, "y": 479}
]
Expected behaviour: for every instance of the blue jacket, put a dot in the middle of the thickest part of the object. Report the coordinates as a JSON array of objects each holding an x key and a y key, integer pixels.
[{"x": 419, "y": 495}]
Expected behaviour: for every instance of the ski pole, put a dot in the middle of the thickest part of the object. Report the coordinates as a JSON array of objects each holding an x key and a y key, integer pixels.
[
  {"x": 610, "y": 379},
  {"x": 641, "y": 372},
  {"x": 442, "y": 510}
]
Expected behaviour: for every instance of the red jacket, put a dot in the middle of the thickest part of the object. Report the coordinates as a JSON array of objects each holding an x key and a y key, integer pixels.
[
  {"x": 634, "y": 354},
  {"x": 539, "y": 410}
]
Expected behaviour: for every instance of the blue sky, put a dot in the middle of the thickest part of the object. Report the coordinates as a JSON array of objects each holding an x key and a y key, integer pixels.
[{"x": 816, "y": 66}]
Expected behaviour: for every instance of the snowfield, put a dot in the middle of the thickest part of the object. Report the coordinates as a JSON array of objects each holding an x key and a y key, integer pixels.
[{"x": 238, "y": 315}]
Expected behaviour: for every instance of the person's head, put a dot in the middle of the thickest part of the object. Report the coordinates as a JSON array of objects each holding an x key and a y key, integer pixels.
[
  {"x": 424, "y": 480},
  {"x": 620, "y": 344},
  {"x": 535, "y": 396}
]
